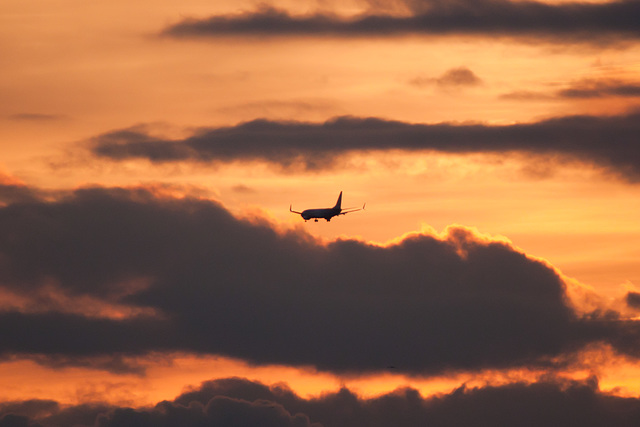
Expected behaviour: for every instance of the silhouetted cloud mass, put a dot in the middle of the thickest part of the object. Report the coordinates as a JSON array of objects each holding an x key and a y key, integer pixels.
[
  {"x": 596, "y": 23},
  {"x": 240, "y": 402},
  {"x": 606, "y": 141},
  {"x": 218, "y": 285}
]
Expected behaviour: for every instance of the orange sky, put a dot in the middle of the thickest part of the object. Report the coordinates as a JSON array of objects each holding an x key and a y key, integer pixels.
[{"x": 70, "y": 71}]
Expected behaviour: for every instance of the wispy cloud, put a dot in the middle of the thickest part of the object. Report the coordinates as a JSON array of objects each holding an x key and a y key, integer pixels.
[
  {"x": 36, "y": 117},
  {"x": 453, "y": 78},
  {"x": 599, "y": 88},
  {"x": 581, "y": 89}
]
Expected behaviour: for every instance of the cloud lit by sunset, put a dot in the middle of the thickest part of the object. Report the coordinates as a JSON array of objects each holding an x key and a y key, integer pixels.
[{"x": 151, "y": 272}]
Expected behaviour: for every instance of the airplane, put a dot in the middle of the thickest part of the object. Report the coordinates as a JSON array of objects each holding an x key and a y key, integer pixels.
[{"x": 326, "y": 213}]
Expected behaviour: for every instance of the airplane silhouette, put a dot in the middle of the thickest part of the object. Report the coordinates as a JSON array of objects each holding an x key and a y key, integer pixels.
[{"x": 326, "y": 213}]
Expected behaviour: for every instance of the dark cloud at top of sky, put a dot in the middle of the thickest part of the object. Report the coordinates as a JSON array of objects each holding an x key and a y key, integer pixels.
[
  {"x": 609, "y": 142},
  {"x": 224, "y": 286},
  {"x": 595, "y": 23},
  {"x": 240, "y": 402}
]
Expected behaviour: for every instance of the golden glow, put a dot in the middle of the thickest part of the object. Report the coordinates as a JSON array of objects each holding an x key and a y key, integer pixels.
[
  {"x": 58, "y": 90},
  {"x": 167, "y": 376}
]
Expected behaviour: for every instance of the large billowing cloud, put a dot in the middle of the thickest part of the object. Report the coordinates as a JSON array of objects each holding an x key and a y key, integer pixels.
[
  {"x": 213, "y": 284},
  {"x": 609, "y": 141},
  {"x": 239, "y": 402},
  {"x": 565, "y": 22}
]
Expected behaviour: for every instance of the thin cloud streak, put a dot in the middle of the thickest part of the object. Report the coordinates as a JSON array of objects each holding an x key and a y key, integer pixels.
[
  {"x": 594, "y": 23},
  {"x": 582, "y": 89},
  {"x": 608, "y": 142},
  {"x": 601, "y": 89}
]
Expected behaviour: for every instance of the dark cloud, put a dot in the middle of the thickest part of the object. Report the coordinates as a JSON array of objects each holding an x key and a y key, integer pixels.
[
  {"x": 59, "y": 340},
  {"x": 219, "y": 411},
  {"x": 12, "y": 190},
  {"x": 30, "y": 408},
  {"x": 219, "y": 285},
  {"x": 461, "y": 76},
  {"x": 609, "y": 142},
  {"x": 633, "y": 299},
  {"x": 583, "y": 89},
  {"x": 455, "y": 77},
  {"x": 87, "y": 414},
  {"x": 17, "y": 193},
  {"x": 239, "y": 402},
  {"x": 565, "y": 23},
  {"x": 549, "y": 402},
  {"x": 16, "y": 421},
  {"x": 48, "y": 413},
  {"x": 601, "y": 89}
]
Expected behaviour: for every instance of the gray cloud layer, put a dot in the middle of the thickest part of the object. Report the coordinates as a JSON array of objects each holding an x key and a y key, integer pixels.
[
  {"x": 610, "y": 142},
  {"x": 239, "y": 402},
  {"x": 601, "y": 89},
  {"x": 224, "y": 286},
  {"x": 567, "y": 22}
]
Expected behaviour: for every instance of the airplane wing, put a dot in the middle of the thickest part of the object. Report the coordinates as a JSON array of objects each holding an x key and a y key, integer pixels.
[
  {"x": 290, "y": 210},
  {"x": 349, "y": 210}
]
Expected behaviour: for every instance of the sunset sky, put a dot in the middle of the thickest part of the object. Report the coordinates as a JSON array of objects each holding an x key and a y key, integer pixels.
[{"x": 151, "y": 272}]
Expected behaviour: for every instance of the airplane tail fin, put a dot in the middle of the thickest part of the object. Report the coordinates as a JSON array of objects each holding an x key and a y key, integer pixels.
[{"x": 339, "y": 202}]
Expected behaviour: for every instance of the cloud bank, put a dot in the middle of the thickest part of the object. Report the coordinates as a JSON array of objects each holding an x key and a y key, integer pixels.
[
  {"x": 208, "y": 283},
  {"x": 240, "y": 402},
  {"x": 608, "y": 142},
  {"x": 594, "y": 23}
]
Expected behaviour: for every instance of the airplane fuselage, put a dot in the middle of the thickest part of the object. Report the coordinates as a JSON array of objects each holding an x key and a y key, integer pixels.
[{"x": 326, "y": 213}]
